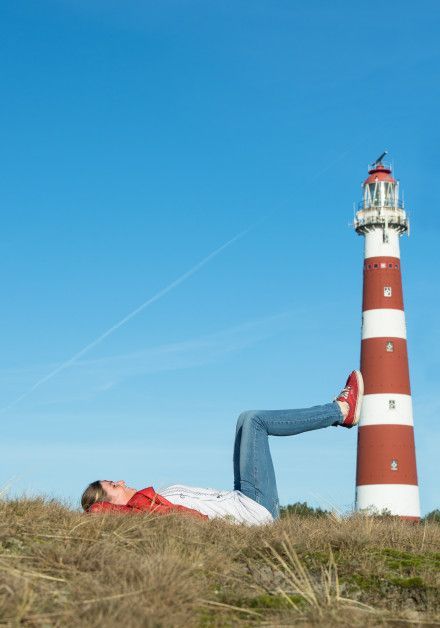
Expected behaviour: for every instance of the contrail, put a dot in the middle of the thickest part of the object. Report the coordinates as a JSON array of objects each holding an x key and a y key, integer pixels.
[{"x": 156, "y": 297}]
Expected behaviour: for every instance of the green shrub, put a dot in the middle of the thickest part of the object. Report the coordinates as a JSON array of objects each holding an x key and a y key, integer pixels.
[
  {"x": 434, "y": 515},
  {"x": 302, "y": 509}
]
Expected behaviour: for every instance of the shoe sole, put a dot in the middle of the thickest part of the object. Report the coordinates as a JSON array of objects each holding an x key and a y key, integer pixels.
[{"x": 357, "y": 410}]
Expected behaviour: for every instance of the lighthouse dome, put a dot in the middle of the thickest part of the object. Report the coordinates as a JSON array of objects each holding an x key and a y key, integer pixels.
[{"x": 379, "y": 172}]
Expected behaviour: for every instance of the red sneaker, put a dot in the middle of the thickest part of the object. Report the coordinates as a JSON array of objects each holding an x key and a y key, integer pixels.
[{"x": 352, "y": 394}]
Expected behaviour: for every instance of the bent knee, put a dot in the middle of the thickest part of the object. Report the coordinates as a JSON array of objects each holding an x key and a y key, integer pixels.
[{"x": 247, "y": 417}]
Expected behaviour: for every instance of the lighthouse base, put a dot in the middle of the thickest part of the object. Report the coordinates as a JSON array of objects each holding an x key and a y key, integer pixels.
[{"x": 401, "y": 500}]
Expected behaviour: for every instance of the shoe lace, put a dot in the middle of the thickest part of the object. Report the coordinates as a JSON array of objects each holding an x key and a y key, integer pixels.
[{"x": 344, "y": 392}]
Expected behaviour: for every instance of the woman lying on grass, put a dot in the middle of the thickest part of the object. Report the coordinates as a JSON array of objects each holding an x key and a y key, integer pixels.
[{"x": 254, "y": 499}]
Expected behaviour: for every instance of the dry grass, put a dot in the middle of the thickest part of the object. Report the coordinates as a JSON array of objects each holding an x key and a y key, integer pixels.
[{"x": 62, "y": 568}]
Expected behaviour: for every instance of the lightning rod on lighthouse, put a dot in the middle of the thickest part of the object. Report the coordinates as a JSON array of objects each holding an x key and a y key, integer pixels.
[{"x": 386, "y": 476}]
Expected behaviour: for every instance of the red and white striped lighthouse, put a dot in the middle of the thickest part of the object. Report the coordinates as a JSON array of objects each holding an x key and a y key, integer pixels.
[{"x": 386, "y": 463}]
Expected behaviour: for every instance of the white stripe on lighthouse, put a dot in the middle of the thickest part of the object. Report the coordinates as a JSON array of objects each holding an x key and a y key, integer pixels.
[
  {"x": 383, "y": 323},
  {"x": 386, "y": 409},
  {"x": 399, "y": 499},
  {"x": 376, "y": 247}
]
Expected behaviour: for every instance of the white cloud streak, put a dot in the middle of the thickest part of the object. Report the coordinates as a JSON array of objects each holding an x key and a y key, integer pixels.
[
  {"x": 92, "y": 377},
  {"x": 111, "y": 330},
  {"x": 156, "y": 297}
]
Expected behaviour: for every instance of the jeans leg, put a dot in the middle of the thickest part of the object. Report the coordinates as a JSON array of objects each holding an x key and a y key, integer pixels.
[{"x": 254, "y": 474}]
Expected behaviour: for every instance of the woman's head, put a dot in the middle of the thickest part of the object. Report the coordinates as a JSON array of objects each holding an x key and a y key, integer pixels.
[
  {"x": 107, "y": 491},
  {"x": 92, "y": 494}
]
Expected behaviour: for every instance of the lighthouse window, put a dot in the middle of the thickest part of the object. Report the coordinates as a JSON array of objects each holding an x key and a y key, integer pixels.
[
  {"x": 387, "y": 291},
  {"x": 389, "y": 346},
  {"x": 389, "y": 194},
  {"x": 390, "y": 265},
  {"x": 376, "y": 265},
  {"x": 396, "y": 266},
  {"x": 369, "y": 266},
  {"x": 394, "y": 465},
  {"x": 392, "y": 404},
  {"x": 374, "y": 194}
]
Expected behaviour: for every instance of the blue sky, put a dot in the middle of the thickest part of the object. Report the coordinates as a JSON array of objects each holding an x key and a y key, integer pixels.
[{"x": 137, "y": 138}]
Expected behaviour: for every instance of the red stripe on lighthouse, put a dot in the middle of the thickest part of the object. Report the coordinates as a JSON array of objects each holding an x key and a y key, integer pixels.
[
  {"x": 382, "y": 284},
  {"x": 386, "y": 455},
  {"x": 384, "y": 365}
]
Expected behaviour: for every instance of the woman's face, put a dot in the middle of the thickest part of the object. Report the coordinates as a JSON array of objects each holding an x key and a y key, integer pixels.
[{"x": 118, "y": 492}]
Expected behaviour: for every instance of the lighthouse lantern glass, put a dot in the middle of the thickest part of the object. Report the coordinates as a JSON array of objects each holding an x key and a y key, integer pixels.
[{"x": 381, "y": 194}]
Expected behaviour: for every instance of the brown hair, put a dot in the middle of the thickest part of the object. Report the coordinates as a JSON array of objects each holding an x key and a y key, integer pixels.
[{"x": 93, "y": 493}]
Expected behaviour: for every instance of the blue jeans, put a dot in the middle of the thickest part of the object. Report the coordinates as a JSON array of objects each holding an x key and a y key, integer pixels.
[{"x": 254, "y": 474}]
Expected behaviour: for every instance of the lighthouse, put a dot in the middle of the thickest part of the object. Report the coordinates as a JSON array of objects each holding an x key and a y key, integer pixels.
[{"x": 386, "y": 476}]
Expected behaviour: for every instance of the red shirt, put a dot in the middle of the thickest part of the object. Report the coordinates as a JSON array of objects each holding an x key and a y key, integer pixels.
[{"x": 146, "y": 500}]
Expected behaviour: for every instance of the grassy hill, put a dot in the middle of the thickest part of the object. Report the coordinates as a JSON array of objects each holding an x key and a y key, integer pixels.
[{"x": 62, "y": 568}]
